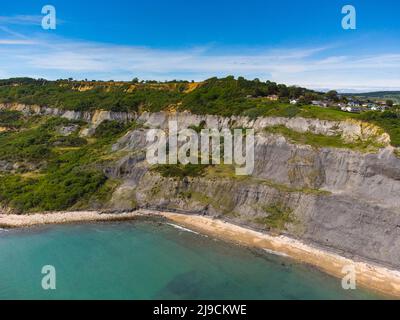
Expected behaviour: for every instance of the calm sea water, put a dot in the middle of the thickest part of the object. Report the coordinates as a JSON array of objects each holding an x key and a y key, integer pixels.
[{"x": 148, "y": 260}]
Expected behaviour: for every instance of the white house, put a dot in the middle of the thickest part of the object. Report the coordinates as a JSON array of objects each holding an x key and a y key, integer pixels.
[
  {"x": 350, "y": 109},
  {"x": 353, "y": 104}
]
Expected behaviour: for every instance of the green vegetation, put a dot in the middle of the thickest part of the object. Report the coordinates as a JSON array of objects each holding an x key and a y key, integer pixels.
[
  {"x": 34, "y": 142},
  {"x": 230, "y": 96},
  {"x": 180, "y": 171},
  {"x": 110, "y": 128},
  {"x": 65, "y": 177},
  {"x": 326, "y": 113},
  {"x": 320, "y": 140},
  {"x": 99, "y": 198},
  {"x": 226, "y": 96},
  {"x": 10, "y": 119},
  {"x": 68, "y": 141},
  {"x": 66, "y": 95},
  {"x": 388, "y": 121},
  {"x": 278, "y": 217},
  {"x": 57, "y": 190},
  {"x": 274, "y": 109}
]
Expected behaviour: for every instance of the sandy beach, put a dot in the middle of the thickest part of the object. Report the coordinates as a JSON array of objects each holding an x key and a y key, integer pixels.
[{"x": 375, "y": 277}]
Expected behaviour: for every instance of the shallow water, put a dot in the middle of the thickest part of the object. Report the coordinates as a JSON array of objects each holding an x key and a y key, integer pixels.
[{"x": 148, "y": 260}]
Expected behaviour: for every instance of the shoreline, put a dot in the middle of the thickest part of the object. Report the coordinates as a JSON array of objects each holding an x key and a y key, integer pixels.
[
  {"x": 12, "y": 221},
  {"x": 369, "y": 275}
]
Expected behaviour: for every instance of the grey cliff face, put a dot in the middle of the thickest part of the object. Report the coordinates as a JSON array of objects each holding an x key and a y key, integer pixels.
[
  {"x": 341, "y": 199},
  {"x": 345, "y": 200}
]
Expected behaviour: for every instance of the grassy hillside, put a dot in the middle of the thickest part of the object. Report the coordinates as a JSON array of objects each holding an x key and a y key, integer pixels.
[
  {"x": 378, "y": 95},
  {"x": 225, "y": 96}
]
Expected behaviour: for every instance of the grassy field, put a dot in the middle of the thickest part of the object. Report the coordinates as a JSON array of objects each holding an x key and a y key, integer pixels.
[{"x": 319, "y": 140}]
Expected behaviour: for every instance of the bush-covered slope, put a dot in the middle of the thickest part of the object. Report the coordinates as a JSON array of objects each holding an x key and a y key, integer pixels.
[
  {"x": 42, "y": 169},
  {"x": 225, "y": 96}
]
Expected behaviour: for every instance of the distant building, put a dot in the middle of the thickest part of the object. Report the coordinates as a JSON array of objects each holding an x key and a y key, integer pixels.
[
  {"x": 319, "y": 103},
  {"x": 378, "y": 108},
  {"x": 353, "y": 104},
  {"x": 273, "y": 97},
  {"x": 351, "y": 109}
]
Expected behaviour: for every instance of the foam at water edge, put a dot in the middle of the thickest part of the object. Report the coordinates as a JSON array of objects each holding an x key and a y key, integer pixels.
[{"x": 184, "y": 229}]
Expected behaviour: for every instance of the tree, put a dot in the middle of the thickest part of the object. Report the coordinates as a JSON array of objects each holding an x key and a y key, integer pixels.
[
  {"x": 332, "y": 95},
  {"x": 389, "y": 103},
  {"x": 283, "y": 91},
  {"x": 135, "y": 80}
]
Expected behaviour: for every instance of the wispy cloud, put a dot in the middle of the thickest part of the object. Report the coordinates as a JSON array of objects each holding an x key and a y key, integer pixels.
[
  {"x": 316, "y": 67},
  {"x": 21, "y": 20},
  {"x": 16, "y": 42}
]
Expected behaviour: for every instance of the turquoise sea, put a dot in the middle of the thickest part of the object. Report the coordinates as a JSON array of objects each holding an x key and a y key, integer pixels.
[{"x": 151, "y": 260}]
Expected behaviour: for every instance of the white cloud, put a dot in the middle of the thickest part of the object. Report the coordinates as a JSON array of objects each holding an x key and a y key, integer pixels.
[
  {"x": 21, "y": 20},
  {"x": 16, "y": 42},
  {"x": 312, "y": 67}
]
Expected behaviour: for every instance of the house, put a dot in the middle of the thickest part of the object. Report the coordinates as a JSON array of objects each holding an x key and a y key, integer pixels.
[
  {"x": 273, "y": 97},
  {"x": 351, "y": 109},
  {"x": 319, "y": 103},
  {"x": 378, "y": 108},
  {"x": 353, "y": 104}
]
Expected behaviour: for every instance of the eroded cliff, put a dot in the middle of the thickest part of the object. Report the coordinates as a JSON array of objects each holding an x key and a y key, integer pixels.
[{"x": 346, "y": 199}]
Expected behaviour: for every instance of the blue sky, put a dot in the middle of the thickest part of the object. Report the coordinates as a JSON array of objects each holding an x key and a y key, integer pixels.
[{"x": 288, "y": 41}]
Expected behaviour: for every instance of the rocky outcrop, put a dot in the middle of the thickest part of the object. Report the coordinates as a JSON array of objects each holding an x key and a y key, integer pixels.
[{"x": 67, "y": 130}]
